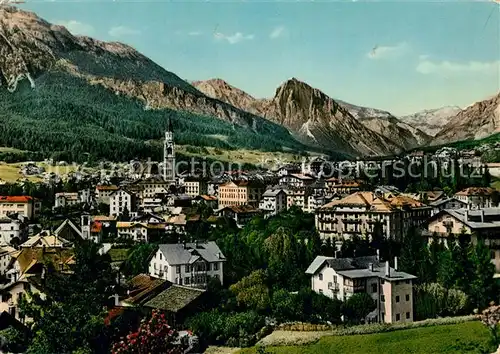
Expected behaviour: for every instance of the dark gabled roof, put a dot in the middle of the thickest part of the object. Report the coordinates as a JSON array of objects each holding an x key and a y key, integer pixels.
[
  {"x": 175, "y": 298},
  {"x": 143, "y": 287}
]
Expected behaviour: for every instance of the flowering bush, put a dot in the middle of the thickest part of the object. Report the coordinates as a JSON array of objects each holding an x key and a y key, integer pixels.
[
  {"x": 153, "y": 336},
  {"x": 491, "y": 318}
]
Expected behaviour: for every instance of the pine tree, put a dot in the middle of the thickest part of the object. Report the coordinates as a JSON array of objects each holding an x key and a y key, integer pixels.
[
  {"x": 482, "y": 286},
  {"x": 436, "y": 248}
]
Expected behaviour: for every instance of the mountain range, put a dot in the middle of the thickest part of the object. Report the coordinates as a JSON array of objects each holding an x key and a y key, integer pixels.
[{"x": 68, "y": 95}]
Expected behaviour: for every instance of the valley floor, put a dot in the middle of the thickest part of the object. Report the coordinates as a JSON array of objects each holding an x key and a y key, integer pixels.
[{"x": 468, "y": 337}]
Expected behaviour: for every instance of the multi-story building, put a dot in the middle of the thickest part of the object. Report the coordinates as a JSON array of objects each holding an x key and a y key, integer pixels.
[
  {"x": 66, "y": 199},
  {"x": 139, "y": 231},
  {"x": 339, "y": 186},
  {"x": 295, "y": 180},
  {"x": 122, "y": 200},
  {"x": 189, "y": 264},
  {"x": 448, "y": 203},
  {"x": 240, "y": 193},
  {"x": 476, "y": 197},
  {"x": 151, "y": 187},
  {"x": 195, "y": 186},
  {"x": 273, "y": 200},
  {"x": 478, "y": 223},
  {"x": 12, "y": 229},
  {"x": 103, "y": 192},
  {"x": 21, "y": 205},
  {"x": 297, "y": 196},
  {"x": 359, "y": 213},
  {"x": 391, "y": 289}
]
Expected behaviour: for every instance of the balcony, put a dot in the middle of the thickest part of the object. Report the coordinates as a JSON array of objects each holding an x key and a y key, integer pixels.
[{"x": 333, "y": 287}]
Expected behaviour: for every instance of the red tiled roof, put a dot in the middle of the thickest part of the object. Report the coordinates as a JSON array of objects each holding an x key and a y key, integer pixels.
[
  {"x": 107, "y": 188},
  {"x": 16, "y": 199}
]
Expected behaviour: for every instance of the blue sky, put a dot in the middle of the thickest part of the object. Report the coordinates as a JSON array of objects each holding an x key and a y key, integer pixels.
[{"x": 400, "y": 56}]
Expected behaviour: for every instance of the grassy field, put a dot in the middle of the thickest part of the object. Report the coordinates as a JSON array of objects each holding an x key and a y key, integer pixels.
[
  {"x": 255, "y": 157},
  {"x": 469, "y": 337}
]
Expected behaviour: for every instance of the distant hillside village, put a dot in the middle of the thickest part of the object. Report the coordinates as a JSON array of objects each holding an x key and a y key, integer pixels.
[{"x": 287, "y": 236}]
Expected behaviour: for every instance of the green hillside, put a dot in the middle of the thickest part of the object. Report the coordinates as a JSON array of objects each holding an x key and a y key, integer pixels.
[
  {"x": 66, "y": 118},
  {"x": 469, "y": 337}
]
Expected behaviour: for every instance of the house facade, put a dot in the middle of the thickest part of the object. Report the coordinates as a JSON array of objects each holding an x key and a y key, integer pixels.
[
  {"x": 11, "y": 229},
  {"x": 66, "y": 199},
  {"x": 122, "y": 200},
  {"x": 480, "y": 223},
  {"x": 295, "y": 180},
  {"x": 391, "y": 289},
  {"x": 273, "y": 201},
  {"x": 103, "y": 192},
  {"x": 22, "y": 205},
  {"x": 240, "y": 193},
  {"x": 476, "y": 197},
  {"x": 189, "y": 264},
  {"x": 359, "y": 213},
  {"x": 195, "y": 186}
]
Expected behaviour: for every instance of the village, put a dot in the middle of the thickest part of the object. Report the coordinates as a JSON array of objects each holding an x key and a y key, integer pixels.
[{"x": 170, "y": 216}]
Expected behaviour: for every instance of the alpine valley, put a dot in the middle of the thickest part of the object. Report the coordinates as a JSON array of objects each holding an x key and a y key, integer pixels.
[{"x": 70, "y": 97}]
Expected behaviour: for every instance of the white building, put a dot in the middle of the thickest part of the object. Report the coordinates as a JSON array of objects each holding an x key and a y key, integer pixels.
[
  {"x": 66, "y": 199},
  {"x": 273, "y": 201},
  {"x": 10, "y": 229},
  {"x": 5, "y": 258},
  {"x": 122, "y": 200},
  {"x": 391, "y": 289},
  {"x": 188, "y": 264},
  {"x": 476, "y": 197}
]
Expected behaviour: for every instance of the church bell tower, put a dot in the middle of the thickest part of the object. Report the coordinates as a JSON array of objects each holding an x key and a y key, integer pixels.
[{"x": 169, "y": 154}]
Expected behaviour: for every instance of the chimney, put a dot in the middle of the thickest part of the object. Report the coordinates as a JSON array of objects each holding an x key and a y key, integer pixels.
[
  {"x": 466, "y": 214},
  {"x": 482, "y": 215},
  {"x": 378, "y": 255},
  {"x": 396, "y": 264},
  {"x": 370, "y": 267},
  {"x": 387, "y": 269}
]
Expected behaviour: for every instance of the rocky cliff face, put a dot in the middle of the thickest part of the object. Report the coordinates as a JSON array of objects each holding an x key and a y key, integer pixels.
[
  {"x": 316, "y": 117},
  {"x": 474, "y": 122},
  {"x": 431, "y": 121}
]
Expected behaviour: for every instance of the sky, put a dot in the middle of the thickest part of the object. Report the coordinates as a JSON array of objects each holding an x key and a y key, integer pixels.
[{"x": 400, "y": 56}]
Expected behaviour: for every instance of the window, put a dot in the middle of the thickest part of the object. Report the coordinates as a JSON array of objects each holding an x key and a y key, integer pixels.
[
  {"x": 382, "y": 281},
  {"x": 492, "y": 254},
  {"x": 216, "y": 266},
  {"x": 186, "y": 280},
  {"x": 398, "y": 317},
  {"x": 320, "y": 276},
  {"x": 382, "y": 298},
  {"x": 160, "y": 256},
  {"x": 397, "y": 298},
  {"x": 407, "y": 282},
  {"x": 188, "y": 268},
  {"x": 321, "y": 291},
  {"x": 374, "y": 288},
  {"x": 178, "y": 269},
  {"x": 407, "y": 315},
  {"x": 407, "y": 297}
]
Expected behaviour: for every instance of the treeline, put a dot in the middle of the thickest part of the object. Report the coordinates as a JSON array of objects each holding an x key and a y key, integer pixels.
[
  {"x": 450, "y": 176},
  {"x": 66, "y": 118}
]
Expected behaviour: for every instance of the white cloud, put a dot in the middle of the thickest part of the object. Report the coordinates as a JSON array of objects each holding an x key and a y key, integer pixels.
[
  {"x": 447, "y": 68},
  {"x": 277, "y": 32},
  {"x": 123, "y": 31},
  {"x": 76, "y": 27},
  {"x": 195, "y": 33},
  {"x": 386, "y": 52},
  {"x": 234, "y": 38}
]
